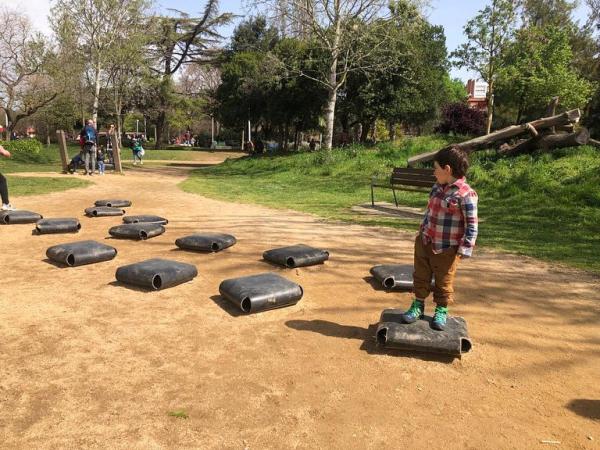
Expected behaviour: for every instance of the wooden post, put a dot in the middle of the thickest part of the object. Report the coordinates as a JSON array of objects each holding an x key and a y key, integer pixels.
[
  {"x": 116, "y": 146},
  {"x": 62, "y": 148}
]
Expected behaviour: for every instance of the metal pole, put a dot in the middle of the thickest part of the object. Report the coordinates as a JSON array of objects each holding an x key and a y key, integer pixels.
[
  {"x": 249, "y": 132},
  {"x": 145, "y": 132},
  {"x": 212, "y": 130},
  {"x": 137, "y": 124}
]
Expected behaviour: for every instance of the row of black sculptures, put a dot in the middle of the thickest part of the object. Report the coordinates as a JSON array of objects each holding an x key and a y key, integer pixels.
[{"x": 250, "y": 294}]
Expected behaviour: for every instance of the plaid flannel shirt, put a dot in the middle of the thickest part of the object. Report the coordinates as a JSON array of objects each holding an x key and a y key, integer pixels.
[{"x": 451, "y": 217}]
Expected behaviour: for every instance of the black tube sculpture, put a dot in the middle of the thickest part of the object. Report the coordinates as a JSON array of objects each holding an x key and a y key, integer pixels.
[
  {"x": 103, "y": 211},
  {"x": 141, "y": 231},
  {"x": 420, "y": 337},
  {"x": 55, "y": 226},
  {"x": 113, "y": 203},
  {"x": 206, "y": 242},
  {"x": 18, "y": 217},
  {"x": 261, "y": 292},
  {"x": 156, "y": 274},
  {"x": 296, "y": 256},
  {"x": 145, "y": 219},
  {"x": 74, "y": 254},
  {"x": 395, "y": 276}
]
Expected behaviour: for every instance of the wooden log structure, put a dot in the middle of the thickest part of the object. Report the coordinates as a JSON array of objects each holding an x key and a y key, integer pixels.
[
  {"x": 116, "y": 153},
  {"x": 505, "y": 134},
  {"x": 62, "y": 149},
  {"x": 547, "y": 142},
  {"x": 594, "y": 142}
]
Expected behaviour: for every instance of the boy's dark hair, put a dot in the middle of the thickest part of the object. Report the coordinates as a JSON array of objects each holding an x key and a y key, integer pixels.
[{"x": 454, "y": 157}]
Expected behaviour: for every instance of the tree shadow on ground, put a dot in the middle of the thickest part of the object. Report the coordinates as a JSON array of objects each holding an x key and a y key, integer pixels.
[
  {"x": 585, "y": 408},
  {"x": 367, "y": 335}
]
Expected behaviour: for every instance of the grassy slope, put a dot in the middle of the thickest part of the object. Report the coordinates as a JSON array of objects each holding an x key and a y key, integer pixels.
[{"x": 545, "y": 206}]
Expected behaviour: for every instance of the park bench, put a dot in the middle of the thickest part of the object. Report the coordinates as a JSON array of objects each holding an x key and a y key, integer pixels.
[{"x": 405, "y": 179}]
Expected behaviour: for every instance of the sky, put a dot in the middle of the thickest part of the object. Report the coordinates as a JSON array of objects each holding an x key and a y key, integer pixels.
[{"x": 451, "y": 14}]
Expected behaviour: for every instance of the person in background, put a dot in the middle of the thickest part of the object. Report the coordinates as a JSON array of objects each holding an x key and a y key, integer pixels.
[
  {"x": 260, "y": 146},
  {"x": 100, "y": 158},
  {"x": 138, "y": 151},
  {"x": 110, "y": 133},
  {"x": 90, "y": 140},
  {"x": 6, "y": 206}
]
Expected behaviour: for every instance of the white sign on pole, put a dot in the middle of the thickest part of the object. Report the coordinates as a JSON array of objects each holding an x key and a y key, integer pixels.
[{"x": 480, "y": 89}]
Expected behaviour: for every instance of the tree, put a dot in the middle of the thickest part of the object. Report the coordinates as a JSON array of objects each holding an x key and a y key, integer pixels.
[
  {"x": 541, "y": 13},
  {"x": 97, "y": 28},
  {"x": 538, "y": 66},
  {"x": 489, "y": 34},
  {"x": 338, "y": 27},
  {"x": 412, "y": 87},
  {"x": 593, "y": 112},
  {"x": 25, "y": 67},
  {"x": 254, "y": 35},
  {"x": 454, "y": 90},
  {"x": 128, "y": 71},
  {"x": 179, "y": 41}
]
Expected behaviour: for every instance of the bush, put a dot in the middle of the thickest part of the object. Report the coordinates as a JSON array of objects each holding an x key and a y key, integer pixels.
[
  {"x": 25, "y": 150},
  {"x": 459, "y": 118}
]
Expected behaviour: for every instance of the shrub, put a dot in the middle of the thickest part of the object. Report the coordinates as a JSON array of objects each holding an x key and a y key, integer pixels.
[
  {"x": 459, "y": 118},
  {"x": 25, "y": 150}
]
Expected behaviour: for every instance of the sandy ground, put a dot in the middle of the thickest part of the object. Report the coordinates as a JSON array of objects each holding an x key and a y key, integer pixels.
[{"x": 88, "y": 363}]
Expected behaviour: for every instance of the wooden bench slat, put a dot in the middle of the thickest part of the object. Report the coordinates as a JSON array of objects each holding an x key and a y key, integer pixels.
[
  {"x": 411, "y": 182},
  {"x": 413, "y": 177},
  {"x": 406, "y": 179},
  {"x": 412, "y": 171}
]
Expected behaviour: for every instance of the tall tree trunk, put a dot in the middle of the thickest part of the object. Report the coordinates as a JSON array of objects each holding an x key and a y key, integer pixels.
[
  {"x": 490, "y": 108},
  {"x": 392, "y": 131},
  {"x": 329, "y": 117},
  {"x": 364, "y": 132},
  {"x": 96, "y": 94},
  {"x": 332, "y": 92}
]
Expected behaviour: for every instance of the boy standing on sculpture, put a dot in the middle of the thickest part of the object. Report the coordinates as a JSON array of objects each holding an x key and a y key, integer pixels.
[{"x": 447, "y": 235}]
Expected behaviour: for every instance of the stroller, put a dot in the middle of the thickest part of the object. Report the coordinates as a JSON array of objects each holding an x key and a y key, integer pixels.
[{"x": 77, "y": 162}]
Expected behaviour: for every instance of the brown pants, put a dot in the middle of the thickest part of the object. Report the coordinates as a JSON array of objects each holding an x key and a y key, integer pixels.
[{"x": 441, "y": 265}]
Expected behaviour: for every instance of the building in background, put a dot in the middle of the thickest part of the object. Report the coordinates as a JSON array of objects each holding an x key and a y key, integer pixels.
[{"x": 477, "y": 91}]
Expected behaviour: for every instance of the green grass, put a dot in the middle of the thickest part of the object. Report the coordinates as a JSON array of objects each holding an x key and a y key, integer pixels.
[
  {"x": 19, "y": 186},
  {"x": 546, "y": 206},
  {"x": 48, "y": 161},
  {"x": 180, "y": 414}
]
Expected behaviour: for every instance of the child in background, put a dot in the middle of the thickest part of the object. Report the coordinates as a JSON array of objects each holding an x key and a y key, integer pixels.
[{"x": 100, "y": 158}]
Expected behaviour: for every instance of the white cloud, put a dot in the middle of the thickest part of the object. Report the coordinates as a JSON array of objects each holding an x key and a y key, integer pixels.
[{"x": 36, "y": 10}]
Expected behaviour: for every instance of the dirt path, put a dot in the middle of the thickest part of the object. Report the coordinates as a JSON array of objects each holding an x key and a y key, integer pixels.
[{"x": 88, "y": 364}]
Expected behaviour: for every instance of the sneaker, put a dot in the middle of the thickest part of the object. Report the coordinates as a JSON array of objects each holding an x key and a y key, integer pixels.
[
  {"x": 7, "y": 207},
  {"x": 141, "y": 163},
  {"x": 439, "y": 318},
  {"x": 415, "y": 312}
]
